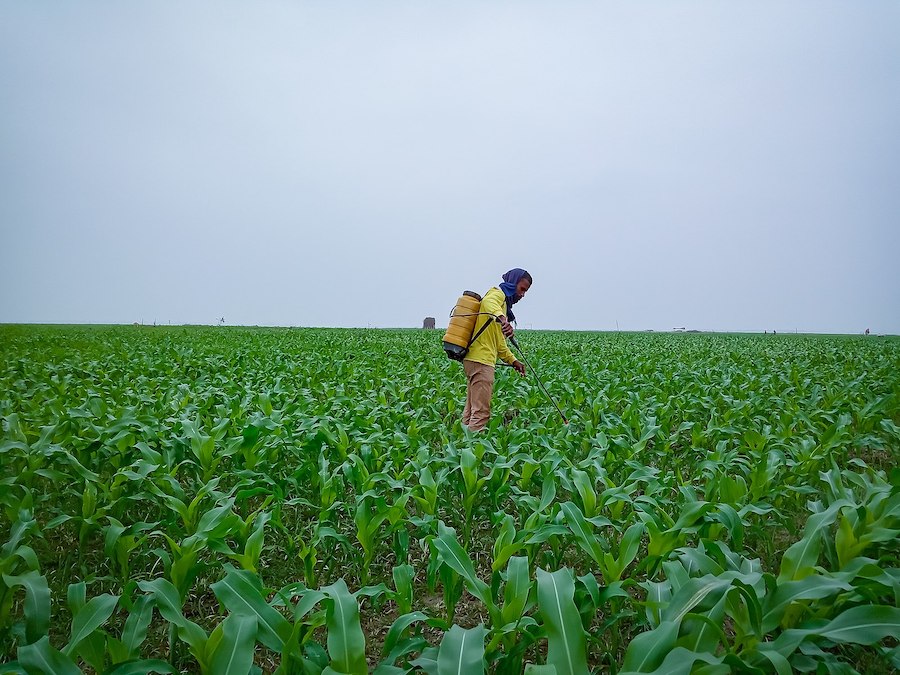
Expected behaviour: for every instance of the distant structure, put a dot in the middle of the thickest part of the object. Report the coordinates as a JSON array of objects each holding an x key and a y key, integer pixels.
[{"x": 428, "y": 322}]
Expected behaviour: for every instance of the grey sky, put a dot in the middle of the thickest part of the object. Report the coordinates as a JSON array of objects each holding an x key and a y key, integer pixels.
[{"x": 722, "y": 166}]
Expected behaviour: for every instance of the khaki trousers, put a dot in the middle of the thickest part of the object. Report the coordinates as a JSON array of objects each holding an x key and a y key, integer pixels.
[{"x": 479, "y": 390}]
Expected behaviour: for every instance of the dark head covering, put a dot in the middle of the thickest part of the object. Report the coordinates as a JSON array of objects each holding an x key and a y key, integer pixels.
[{"x": 510, "y": 281}]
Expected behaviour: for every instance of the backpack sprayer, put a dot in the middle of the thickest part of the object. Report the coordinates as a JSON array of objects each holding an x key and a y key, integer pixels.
[{"x": 459, "y": 336}]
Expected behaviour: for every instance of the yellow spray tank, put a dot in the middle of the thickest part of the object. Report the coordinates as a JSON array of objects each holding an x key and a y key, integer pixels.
[{"x": 458, "y": 337}]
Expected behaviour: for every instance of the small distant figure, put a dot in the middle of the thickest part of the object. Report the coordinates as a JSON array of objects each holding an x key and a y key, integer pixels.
[
  {"x": 774, "y": 332},
  {"x": 428, "y": 322},
  {"x": 867, "y": 331},
  {"x": 222, "y": 321}
]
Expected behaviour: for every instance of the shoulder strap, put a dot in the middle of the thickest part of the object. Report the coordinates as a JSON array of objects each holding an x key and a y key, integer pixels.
[{"x": 480, "y": 331}]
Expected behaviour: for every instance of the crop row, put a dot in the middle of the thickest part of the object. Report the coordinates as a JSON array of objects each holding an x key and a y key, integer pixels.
[{"x": 305, "y": 501}]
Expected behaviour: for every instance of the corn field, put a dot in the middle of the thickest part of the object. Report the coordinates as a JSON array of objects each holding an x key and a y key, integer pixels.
[{"x": 305, "y": 501}]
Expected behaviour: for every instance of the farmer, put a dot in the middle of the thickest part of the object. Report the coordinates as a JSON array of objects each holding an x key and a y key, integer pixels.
[{"x": 482, "y": 356}]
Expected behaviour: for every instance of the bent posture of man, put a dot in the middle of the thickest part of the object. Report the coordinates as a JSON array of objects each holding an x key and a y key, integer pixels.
[{"x": 496, "y": 307}]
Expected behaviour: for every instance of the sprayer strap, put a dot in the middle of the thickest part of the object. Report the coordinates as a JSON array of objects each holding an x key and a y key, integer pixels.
[{"x": 480, "y": 331}]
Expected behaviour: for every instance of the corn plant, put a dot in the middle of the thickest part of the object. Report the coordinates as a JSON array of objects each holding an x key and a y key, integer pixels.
[{"x": 305, "y": 501}]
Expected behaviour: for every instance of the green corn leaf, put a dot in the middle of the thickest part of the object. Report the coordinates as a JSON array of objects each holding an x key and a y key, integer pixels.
[
  {"x": 703, "y": 589},
  {"x": 92, "y": 650},
  {"x": 469, "y": 468},
  {"x": 567, "y": 645},
  {"x": 506, "y": 535},
  {"x": 863, "y": 625},
  {"x": 680, "y": 661},
  {"x": 397, "y": 628},
  {"x": 462, "y": 651},
  {"x": 658, "y": 596},
  {"x": 870, "y": 573},
  {"x": 893, "y": 656},
  {"x": 403, "y": 580},
  {"x": 631, "y": 542},
  {"x": 516, "y": 590},
  {"x": 583, "y": 532},
  {"x": 502, "y": 556},
  {"x": 136, "y": 625},
  {"x": 548, "y": 492},
  {"x": 87, "y": 475},
  {"x": 308, "y": 600},
  {"x": 585, "y": 488},
  {"x": 781, "y": 665},
  {"x": 234, "y": 653},
  {"x": 314, "y": 661},
  {"x": 535, "y": 669},
  {"x": 695, "y": 561},
  {"x": 545, "y": 532},
  {"x": 614, "y": 590},
  {"x": 592, "y": 588},
  {"x": 27, "y": 555},
  {"x": 388, "y": 669},
  {"x": 813, "y": 587},
  {"x": 23, "y": 524},
  {"x": 647, "y": 650},
  {"x": 41, "y": 657},
  {"x": 455, "y": 557},
  {"x": 218, "y": 521},
  {"x": 168, "y": 602},
  {"x": 703, "y": 631},
  {"x": 726, "y": 515},
  {"x": 254, "y": 545},
  {"x": 614, "y": 567},
  {"x": 241, "y": 593},
  {"x": 37, "y": 603},
  {"x": 76, "y": 597},
  {"x": 89, "y": 618},
  {"x": 690, "y": 514},
  {"x": 505, "y": 545},
  {"x": 141, "y": 667},
  {"x": 113, "y": 531},
  {"x": 799, "y": 559},
  {"x": 346, "y": 642},
  {"x": 744, "y": 605},
  {"x": 427, "y": 661}
]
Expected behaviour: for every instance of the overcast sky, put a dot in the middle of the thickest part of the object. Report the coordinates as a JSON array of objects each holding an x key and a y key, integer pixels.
[{"x": 712, "y": 165}]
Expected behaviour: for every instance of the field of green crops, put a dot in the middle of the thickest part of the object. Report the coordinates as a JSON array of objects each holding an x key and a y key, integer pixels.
[{"x": 238, "y": 500}]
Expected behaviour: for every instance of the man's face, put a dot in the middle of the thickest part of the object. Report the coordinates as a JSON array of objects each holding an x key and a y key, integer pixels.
[{"x": 522, "y": 287}]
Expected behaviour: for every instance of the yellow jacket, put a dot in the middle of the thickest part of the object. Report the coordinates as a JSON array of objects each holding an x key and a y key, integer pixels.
[{"x": 491, "y": 343}]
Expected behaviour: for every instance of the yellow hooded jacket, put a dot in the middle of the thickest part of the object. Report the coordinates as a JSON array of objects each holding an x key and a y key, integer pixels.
[{"x": 491, "y": 343}]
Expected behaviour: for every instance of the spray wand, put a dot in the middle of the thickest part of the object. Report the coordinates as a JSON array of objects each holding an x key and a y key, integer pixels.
[{"x": 543, "y": 388}]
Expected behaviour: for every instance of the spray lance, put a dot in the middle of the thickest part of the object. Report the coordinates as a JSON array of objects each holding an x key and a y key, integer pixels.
[{"x": 515, "y": 344}]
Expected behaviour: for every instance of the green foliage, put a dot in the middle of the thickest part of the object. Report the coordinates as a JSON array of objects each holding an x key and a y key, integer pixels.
[{"x": 305, "y": 501}]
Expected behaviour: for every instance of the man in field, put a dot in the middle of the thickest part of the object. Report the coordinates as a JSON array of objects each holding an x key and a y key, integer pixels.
[{"x": 496, "y": 307}]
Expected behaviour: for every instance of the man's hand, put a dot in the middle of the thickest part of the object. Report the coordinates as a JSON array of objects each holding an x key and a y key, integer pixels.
[
  {"x": 505, "y": 325},
  {"x": 520, "y": 368}
]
